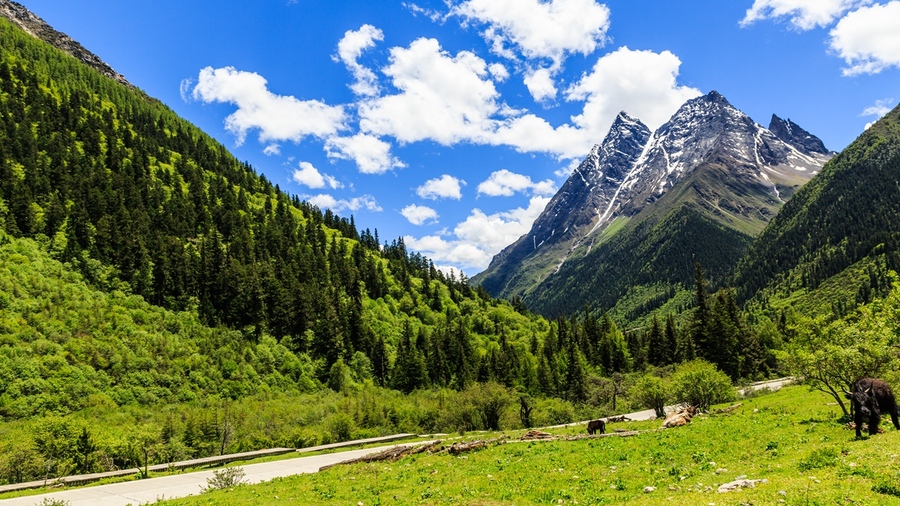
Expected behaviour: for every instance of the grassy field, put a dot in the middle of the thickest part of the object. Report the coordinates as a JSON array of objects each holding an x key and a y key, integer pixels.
[{"x": 793, "y": 439}]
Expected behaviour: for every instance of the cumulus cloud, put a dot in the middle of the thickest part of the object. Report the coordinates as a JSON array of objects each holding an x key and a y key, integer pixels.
[
  {"x": 444, "y": 187},
  {"x": 272, "y": 149},
  {"x": 538, "y": 29},
  {"x": 504, "y": 183},
  {"x": 868, "y": 39},
  {"x": 325, "y": 201},
  {"x": 481, "y": 236},
  {"x": 540, "y": 84},
  {"x": 371, "y": 154},
  {"x": 350, "y": 48},
  {"x": 643, "y": 83},
  {"x": 418, "y": 215},
  {"x": 276, "y": 117},
  {"x": 498, "y": 72},
  {"x": 442, "y": 97},
  {"x": 308, "y": 175},
  {"x": 803, "y": 14}
]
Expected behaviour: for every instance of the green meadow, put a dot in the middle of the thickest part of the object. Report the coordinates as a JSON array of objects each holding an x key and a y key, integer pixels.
[{"x": 794, "y": 439}]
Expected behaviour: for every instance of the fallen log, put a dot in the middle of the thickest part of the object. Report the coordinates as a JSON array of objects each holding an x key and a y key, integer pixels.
[
  {"x": 627, "y": 433},
  {"x": 391, "y": 454},
  {"x": 533, "y": 435},
  {"x": 468, "y": 446},
  {"x": 729, "y": 409}
]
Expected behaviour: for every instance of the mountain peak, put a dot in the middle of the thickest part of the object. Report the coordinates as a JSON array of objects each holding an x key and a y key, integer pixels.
[
  {"x": 38, "y": 28},
  {"x": 715, "y": 96},
  {"x": 790, "y": 132}
]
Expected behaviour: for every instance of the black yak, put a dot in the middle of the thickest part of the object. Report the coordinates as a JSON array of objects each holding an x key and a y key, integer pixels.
[
  {"x": 596, "y": 425},
  {"x": 871, "y": 398}
]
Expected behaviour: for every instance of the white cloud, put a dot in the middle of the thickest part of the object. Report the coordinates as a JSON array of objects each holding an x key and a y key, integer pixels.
[
  {"x": 417, "y": 215},
  {"x": 272, "y": 149},
  {"x": 276, "y": 117},
  {"x": 878, "y": 110},
  {"x": 310, "y": 176},
  {"x": 444, "y": 187},
  {"x": 325, "y": 201},
  {"x": 480, "y": 236},
  {"x": 431, "y": 14},
  {"x": 803, "y": 14},
  {"x": 641, "y": 82},
  {"x": 539, "y": 29},
  {"x": 868, "y": 39},
  {"x": 498, "y": 71},
  {"x": 540, "y": 84},
  {"x": 504, "y": 183},
  {"x": 184, "y": 88},
  {"x": 350, "y": 48},
  {"x": 443, "y": 98},
  {"x": 533, "y": 134},
  {"x": 371, "y": 154}
]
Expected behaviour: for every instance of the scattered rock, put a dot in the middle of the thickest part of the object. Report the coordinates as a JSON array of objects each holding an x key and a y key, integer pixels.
[
  {"x": 739, "y": 484},
  {"x": 649, "y": 489}
]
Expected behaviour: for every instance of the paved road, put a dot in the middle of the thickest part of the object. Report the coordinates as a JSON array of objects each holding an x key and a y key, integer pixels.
[
  {"x": 649, "y": 414},
  {"x": 181, "y": 485}
]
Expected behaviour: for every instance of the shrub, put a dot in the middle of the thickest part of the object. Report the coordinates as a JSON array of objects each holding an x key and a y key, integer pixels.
[
  {"x": 698, "y": 383},
  {"x": 225, "y": 478}
]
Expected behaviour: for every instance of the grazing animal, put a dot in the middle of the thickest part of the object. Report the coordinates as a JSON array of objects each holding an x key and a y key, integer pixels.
[
  {"x": 596, "y": 425},
  {"x": 871, "y": 398},
  {"x": 680, "y": 418}
]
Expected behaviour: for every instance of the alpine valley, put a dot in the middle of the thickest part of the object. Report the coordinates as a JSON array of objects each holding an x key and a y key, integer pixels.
[
  {"x": 161, "y": 300},
  {"x": 626, "y": 229}
]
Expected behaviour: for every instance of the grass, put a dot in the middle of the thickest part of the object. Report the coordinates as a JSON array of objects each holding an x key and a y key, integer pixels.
[{"x": 793, "y": 438}]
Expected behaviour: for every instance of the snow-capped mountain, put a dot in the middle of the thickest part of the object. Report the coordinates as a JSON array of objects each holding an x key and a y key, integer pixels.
[{"x": 746, "y": 173}]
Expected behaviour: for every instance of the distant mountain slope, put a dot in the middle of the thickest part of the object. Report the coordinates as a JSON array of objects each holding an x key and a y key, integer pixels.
[
  {"x": 848, "y": 214},
  {"x": 640, "y": 210}
]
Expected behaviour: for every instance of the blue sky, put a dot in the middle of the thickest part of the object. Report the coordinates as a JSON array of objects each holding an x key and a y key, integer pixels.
[{"x": 452, "y": 123}]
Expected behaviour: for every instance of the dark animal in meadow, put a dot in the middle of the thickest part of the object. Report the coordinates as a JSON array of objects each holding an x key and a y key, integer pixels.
[
  {"x": 596, "y": 425},
  {"x": 871, "y": 398}
]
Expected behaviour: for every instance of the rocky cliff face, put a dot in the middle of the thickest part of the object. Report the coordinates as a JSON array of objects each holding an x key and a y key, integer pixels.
[
  {"x": 37, "y": 27},
  {"x": 790, "y": 132},
  {"x": 747, "y": 173}
]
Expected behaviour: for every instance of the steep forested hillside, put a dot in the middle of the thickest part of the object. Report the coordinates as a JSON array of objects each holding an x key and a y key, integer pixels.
[
  {"x": 137, "y": 199},
  {"x": 831, "y": 245}
]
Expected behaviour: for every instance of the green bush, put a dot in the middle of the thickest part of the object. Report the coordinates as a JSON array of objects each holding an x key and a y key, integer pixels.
[
  {"x": 651, "y": 392},
  {"x": 698, "y": 383}
]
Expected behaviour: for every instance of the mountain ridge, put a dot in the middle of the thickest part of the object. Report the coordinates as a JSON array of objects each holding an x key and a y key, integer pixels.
[{"x": 750, "y": 173}]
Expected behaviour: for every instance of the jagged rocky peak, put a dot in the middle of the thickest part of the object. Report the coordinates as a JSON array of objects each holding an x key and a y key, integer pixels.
[
  {"x": 34, "y": 25},
  {"x": 790, "y": 132},
  {"x": 621, "y": 146}
]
